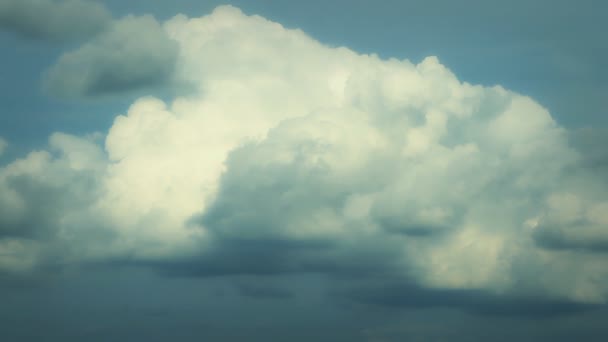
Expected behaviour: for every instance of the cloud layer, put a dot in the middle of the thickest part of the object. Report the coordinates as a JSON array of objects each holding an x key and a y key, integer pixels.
[
  {"x": 55, "y": 20},
  {"x": 295, "y": 157}
]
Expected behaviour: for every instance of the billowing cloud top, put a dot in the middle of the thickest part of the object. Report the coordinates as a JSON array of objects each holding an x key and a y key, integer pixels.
[{"x": 292, "y": 156}]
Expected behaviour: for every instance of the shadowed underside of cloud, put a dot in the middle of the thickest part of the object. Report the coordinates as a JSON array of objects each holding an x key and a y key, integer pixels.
[
  {"x": 295, "y": 157},
  {"x": 60, "y": 20},
  {"x": 404, "y": 296},
  {"x": 134, "y": 53}
]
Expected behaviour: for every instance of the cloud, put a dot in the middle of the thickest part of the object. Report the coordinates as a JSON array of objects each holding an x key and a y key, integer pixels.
[
  {"x": 295, "y": 157},
  {"x": 570, "y": 223},
  {"x": 404, "y": 295},
  {"x": 134, "y": 53},
  {"x": 45, "y": 205},
  {"x": 591, "y": 140},
  {"x": 247, "y": 289},
  {"x": 60, "y": 20}
]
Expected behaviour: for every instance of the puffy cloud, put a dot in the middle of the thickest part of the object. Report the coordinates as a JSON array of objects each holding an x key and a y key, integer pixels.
[
  {"x": 45, "y": 204},
  {"x": 134, "y": 53},
  {"x": 295, "y": 157},
  {"x": 569, "y": 223},
  {"x": 58, "y": 20}
]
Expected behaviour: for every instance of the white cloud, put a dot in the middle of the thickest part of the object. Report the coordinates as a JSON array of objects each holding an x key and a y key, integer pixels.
[
  {"x": 327, "y": 160},
  {"x": 59, "y": 20}
]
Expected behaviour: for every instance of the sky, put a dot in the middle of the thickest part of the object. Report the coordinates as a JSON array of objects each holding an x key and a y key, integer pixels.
[{"x": 322, "y": 170}]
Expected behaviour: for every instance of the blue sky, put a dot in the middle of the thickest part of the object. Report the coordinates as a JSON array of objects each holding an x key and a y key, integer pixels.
[{"x": 320, "y": 170}]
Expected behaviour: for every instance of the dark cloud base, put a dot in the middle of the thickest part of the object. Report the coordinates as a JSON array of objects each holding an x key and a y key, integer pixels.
[
  {"x": 479, "y": 302},
  {"x": 122, "y": 302}
]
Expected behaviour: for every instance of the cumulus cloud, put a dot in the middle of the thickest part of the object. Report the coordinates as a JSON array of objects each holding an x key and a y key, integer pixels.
[
  {"x": 59, "y": 20},
  {"x": 572, "y": 222},
  {"x": 134, "y": 53},
  {"x": 45, "y": 201},
  {"x": 295, "y": 157}
]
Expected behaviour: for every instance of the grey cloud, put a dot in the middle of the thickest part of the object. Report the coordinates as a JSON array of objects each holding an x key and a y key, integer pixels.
[
  {"x": 247, "y": 257},
  {"x": 133, "y": 54},
  {"x": 38, "y": 190},
  {"x": 290, "y": 194},
  {"x": 60, "y": 20},
  {"x": 284, "y": 207},
  {"x": 571, "y": 222},
  {"x": 574, "y": 222},
  {"x": 403, "y": 295},
  {"x": 405, "y": 218},
  {"x": 45, "y": 207},
  {"x": 583, "y": 236},
  {"x": 249, "y": 289},
  {"x": 592, "y": 142},
  {"x": 275, "y": 215},
  {"x": 280, "y": 217}
]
